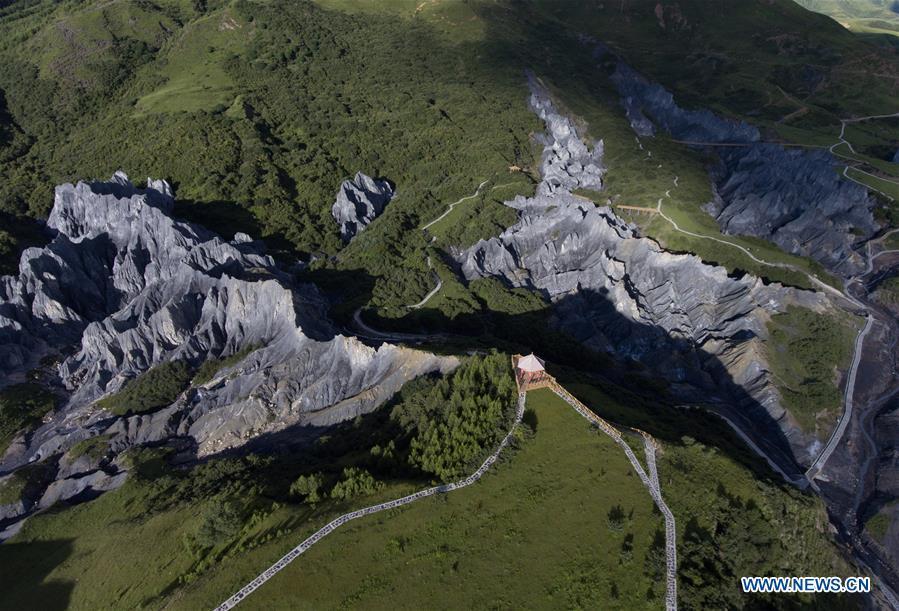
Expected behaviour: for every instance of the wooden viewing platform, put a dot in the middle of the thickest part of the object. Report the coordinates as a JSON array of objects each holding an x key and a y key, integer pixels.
[
  {"x": 530, "y": 374},
  {"x": 636, "y": 209}
]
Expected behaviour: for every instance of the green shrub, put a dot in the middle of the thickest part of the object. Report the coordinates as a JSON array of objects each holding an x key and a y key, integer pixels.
[
  {"x": 26, "y": 479},
  {"x": 461, "y": 418},
  {"x": 93, "y": 447},
  {"x": 22, "y": 406},
  {"x": 878, "y": 524},
  {"x": 155, "y": 388},
  {"x": 355, "y": 482},
  {"x": 222, "y": 520},
  {"x": 615, "y": 518},
  {"x": 307, "y": 487},
  {"x": 805, "y": 351},
  {"x": 212, "y": 366}
]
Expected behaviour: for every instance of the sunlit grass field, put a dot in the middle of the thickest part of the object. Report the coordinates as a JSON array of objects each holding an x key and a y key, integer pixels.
[{"x": 534, "y": 533}]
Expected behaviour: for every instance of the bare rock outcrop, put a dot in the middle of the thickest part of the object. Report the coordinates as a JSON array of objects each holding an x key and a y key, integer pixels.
[
  {"x": 567, "y": 162},
  {"x": 124, "y": 287},
  {"x": 793, "y": 197},
  {"x": 359, "y": 201},
  {"x": 616, "y": 292}
]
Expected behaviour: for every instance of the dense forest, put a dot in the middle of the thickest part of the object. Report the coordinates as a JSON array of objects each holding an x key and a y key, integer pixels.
[{"x": 294, "y": 99}]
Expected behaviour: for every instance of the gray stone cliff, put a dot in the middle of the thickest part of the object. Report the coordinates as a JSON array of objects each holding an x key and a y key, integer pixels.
[
  {"x": 126, "y": 287},
  {"x": 358, "y": 202},
  {"x": 793, "y": 197},
  {"x": 566, "y": 163},
  {"x": 618, "y": 293}
]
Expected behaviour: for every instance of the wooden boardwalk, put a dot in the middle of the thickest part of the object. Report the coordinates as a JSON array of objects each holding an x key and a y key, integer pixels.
[
  {"x": 295, "y": 553},
  {"x": 650, "y": 480}
]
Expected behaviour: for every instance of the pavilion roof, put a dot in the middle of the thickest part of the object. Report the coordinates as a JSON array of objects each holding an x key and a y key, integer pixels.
[{"x": 530, "y": 363}]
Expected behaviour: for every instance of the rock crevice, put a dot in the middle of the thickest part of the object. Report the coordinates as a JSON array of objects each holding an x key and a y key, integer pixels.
[{"x": 618, "y": 293}]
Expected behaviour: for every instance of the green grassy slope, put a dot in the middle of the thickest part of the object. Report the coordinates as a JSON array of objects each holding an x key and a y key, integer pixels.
[
  {"x": 747, "y": 58},
  {"x": 536, "y": 528},
  {"x": 481, "y": 541},
  {"x": 195, "y": 75},
  {"x": 170, "y": 519},
  {"x": 734, "y": 516},
  {"x": 877, "y": 16},
  {"x": 22, "y": 406},
  {"x": 492, "y": 544},
  {"x": 808, "y": 355},
  {"x": 257, "y": 110}
]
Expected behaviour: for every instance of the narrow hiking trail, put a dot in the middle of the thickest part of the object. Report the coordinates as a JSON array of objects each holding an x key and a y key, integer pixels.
[
  {"x": 432, "y": 292},
  {"x": 446, "y": 213},
  {"x": 450, "y": 208},
  {"x": 842, "y": 140},
  {"x": 870, "y": 314},
  {"x": 840, "y": 429},
  {"x": 650, "y": 480}
]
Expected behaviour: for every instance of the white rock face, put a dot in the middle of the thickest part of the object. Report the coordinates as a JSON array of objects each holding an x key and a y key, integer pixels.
[
  {"x": 124, "y": 287},
  {"x": 359, "y": 201}
]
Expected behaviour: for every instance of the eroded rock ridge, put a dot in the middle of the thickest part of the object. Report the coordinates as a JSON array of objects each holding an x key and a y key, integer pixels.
[
  {"x": 792, "y": 196},
  {"x": 359, "y": 201},
  {"x": 128, "y": 287},
  {"x": 686, "y": 321}
]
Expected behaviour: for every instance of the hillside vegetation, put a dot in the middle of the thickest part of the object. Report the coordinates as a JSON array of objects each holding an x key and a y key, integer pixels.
[
  {"x": 808, "y": 355},
  {"x": 185, "y": 521},
  {"x": 256, "y": 111},
  {"x": 561, "y": 523},
  {"x": 874, "y": 16},
  {"x": 22, "y": 406}
]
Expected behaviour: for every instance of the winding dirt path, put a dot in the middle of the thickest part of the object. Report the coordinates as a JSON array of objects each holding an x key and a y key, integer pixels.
[
  {"x": 812, "y": 278},
  {"x": 456, "y": 203},
  {"x": 433, "y": 291},
  {"x": 837, "y": 434},
  {"x": 842, "y": 140},
  {"x": 840, "y": 429}
]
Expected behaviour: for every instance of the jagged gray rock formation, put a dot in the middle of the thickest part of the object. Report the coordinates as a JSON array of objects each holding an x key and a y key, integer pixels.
[
  {"x": 795, "y": 199},
  {"x": 132, "y": 288},
  {"x": 567, "y": 163},
  {"x": 359, "y": 201},
  {"x": 622, "y": 294},
  {"x": 790, "y": 196},
  {"x": 93, "y": 482}
]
